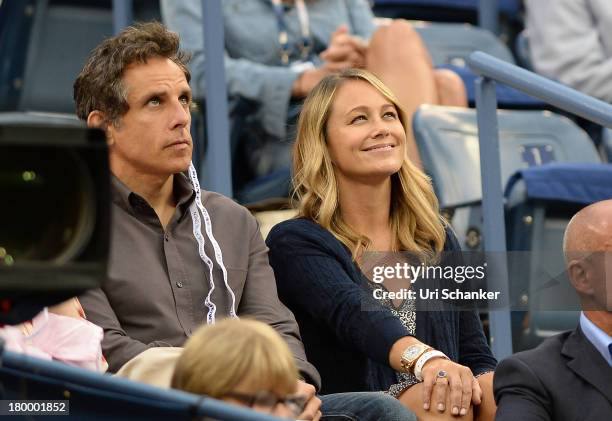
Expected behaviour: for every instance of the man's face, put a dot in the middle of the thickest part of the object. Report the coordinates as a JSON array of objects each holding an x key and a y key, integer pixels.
[
  {"x": 153, "y": 137},
  {"x": 601, "y": 275}
]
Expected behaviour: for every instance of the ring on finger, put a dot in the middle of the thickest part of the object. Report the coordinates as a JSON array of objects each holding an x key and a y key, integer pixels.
[{"x": 442, "y": 377}]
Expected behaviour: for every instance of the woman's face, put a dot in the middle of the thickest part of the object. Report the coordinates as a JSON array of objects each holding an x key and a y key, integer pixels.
[{"x": 365, "y": 137}]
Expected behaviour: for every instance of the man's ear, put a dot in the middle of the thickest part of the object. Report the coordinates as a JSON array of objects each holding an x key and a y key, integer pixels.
[
  {"x": 97, "y": 119},
  {"x": 577, "y": 272}
]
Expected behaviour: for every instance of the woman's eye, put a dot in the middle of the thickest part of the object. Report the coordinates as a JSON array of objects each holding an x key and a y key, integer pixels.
[
  {"x": 390, "y": 114},
  {"x": 358, "y": 118}
]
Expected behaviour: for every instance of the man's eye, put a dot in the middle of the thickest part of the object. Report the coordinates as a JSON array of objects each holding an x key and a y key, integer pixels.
[
  {"x": 154, "y": 101},
  {"x": 185, "y": 100}
]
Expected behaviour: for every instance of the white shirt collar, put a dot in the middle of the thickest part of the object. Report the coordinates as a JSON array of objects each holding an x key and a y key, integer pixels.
[{"x": 600, "y": 339}]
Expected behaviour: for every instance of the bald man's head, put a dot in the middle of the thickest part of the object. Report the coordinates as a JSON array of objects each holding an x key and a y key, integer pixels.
[
  {"x": 590, "y": 230},
  {"x": 587, "y": 246}
]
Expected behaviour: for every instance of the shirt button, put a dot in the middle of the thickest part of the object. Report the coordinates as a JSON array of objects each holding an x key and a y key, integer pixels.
[
  {"x": 179, "y": 284},
  {"x": 166, "y": 237}
]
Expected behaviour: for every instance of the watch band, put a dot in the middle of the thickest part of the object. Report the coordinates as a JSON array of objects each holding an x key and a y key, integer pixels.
[{"x": 418, "y": 367}]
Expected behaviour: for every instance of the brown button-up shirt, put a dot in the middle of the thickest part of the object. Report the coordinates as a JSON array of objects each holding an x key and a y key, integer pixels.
[{"x": 157, "y": 283}]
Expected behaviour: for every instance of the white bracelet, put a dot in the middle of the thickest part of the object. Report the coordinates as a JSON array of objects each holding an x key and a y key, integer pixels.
[{"x": 418, "y": 367}]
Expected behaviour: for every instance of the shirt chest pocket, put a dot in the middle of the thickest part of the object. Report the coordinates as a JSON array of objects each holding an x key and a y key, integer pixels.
[{"x": 236, "y": 279}]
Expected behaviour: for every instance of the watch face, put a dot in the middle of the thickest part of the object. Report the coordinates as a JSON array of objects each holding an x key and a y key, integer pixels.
[{"x": 412, "y": 352}]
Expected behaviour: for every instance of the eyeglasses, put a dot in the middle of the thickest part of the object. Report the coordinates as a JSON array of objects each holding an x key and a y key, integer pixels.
[{"x": 268, "y": 400}]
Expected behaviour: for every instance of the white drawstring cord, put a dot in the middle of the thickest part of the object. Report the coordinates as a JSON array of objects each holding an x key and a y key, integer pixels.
[{"x": 197, "y": 232}]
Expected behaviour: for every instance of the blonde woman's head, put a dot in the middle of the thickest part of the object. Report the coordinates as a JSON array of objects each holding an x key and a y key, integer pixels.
[{"x": 352, "y": 129}]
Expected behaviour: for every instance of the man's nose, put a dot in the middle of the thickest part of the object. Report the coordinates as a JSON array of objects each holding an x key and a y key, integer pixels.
[{"x": 181, "y": 116}]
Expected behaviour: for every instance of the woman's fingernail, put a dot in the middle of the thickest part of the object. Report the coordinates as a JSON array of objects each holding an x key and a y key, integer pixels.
[
  {"x": 426, "y": 406},
  {"x": 455, "y": 410},
  {"x": 440, "y": 407},
  {"x": 463, "y": 411}
]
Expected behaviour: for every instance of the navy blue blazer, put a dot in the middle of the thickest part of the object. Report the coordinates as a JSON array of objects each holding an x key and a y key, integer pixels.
[{"x": 347, "y": 334}]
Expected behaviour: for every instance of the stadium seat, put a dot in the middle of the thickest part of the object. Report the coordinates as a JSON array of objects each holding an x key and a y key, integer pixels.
[
  {"x": 540, "y": 202},
  {"x": 606, "y": 144},
  {"x": 48, "y": 47},
  {"x": 451, "y": 43},
  {"x": 442, "y": 10},
  {"x": 62, "y": 36},
  {"x": 15, "y": 25},
  {"x": 529, "y": 141},
  {"x": 523, "y": 51},
  {"x": 448, "y": 141},
  {"x": 94, "y": 396}
]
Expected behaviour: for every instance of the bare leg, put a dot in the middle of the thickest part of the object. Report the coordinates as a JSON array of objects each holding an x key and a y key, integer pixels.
[
  {"x": 451, "y": 90},
  {"x": 398, "y": 56},
  {"x": 413, "y": 400}
]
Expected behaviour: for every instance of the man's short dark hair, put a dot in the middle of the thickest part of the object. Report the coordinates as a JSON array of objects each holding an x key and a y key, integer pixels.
[{"x": 99, "y": 85}]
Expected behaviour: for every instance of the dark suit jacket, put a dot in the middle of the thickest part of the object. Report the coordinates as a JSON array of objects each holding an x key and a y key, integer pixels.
[{"x": 565, "y": 378}]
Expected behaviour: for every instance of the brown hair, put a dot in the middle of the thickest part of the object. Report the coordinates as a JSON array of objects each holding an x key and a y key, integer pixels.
[
  {"x": 99, "y": 85},
  {"x": 414, "y": 216},
  {"x": 219, "y": 357}
]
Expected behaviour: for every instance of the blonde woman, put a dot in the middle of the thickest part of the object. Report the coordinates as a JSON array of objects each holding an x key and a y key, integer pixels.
[
  {"x": 244, "y": 362},
  {"x": 358, "y": 192}
]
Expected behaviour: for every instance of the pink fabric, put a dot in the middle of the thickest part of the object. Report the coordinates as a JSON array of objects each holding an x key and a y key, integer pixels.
[{"x": 67, "y": 339}]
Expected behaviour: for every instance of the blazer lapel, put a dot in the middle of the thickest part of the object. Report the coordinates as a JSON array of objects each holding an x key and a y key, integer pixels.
[{"x": 588, "y": 363}]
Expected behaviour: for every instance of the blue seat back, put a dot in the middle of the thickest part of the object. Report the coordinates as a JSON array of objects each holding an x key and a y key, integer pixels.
[
  {"x": 540, "y": 202},
  {"x": 93, "y": 396},
  {"x": 448, "y": 141},
  {"x": 443, "y": 10},
  {"x": 523, "y": 50},
  {"x": 451, "y": 43},
  {"x": 505, "y": 6},
  {"x": 606, "y": 144},
  {"x": 62, "y": 37}
]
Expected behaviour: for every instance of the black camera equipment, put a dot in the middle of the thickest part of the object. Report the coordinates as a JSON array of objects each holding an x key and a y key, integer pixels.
[{"x": 54, "y": 215}]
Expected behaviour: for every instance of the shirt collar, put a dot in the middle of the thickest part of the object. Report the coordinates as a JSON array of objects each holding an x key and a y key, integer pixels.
[
  {"x": 122, "y": 196},
  {"x": 600, "y": 339}
]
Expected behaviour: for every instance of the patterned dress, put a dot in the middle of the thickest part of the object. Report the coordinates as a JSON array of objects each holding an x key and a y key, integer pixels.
[{"x": 406, "y": 313}]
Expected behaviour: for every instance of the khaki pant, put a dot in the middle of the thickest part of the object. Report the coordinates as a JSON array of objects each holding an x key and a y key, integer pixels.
[{"x": 154, "y": 366}]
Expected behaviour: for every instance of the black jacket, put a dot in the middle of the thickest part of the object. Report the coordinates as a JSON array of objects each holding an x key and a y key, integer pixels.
[
  {"x": 565, "y": 378},
  {"x": 346, "y": 333}
]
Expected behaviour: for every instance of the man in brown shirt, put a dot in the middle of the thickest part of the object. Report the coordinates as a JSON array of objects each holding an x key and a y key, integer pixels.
[
  {"x": 155, "y": 293},
  {"x": 166, "y": 277}
]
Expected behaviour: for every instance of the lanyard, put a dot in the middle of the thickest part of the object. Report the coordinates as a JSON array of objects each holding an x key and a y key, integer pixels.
[{"x": 283, "y": 37}]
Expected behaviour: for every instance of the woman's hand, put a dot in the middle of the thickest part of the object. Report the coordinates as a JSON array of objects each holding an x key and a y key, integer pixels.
[
  {"x": 443, "y": 376},
  {"x": 308, "y": 80},
  {"x": 344, "y": 50}
]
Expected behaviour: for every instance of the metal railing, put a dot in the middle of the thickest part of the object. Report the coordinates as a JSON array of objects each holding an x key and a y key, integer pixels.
[
  {"x": 488, "y": 15},
  {"x": 217, "y": 171},
  {"x": 123, "y": 14},
  {"x": 491, "y": 70}
]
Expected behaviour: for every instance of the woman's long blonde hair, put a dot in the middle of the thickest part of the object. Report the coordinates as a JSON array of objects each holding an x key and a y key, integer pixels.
[{"x": 414, "y": 214}]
